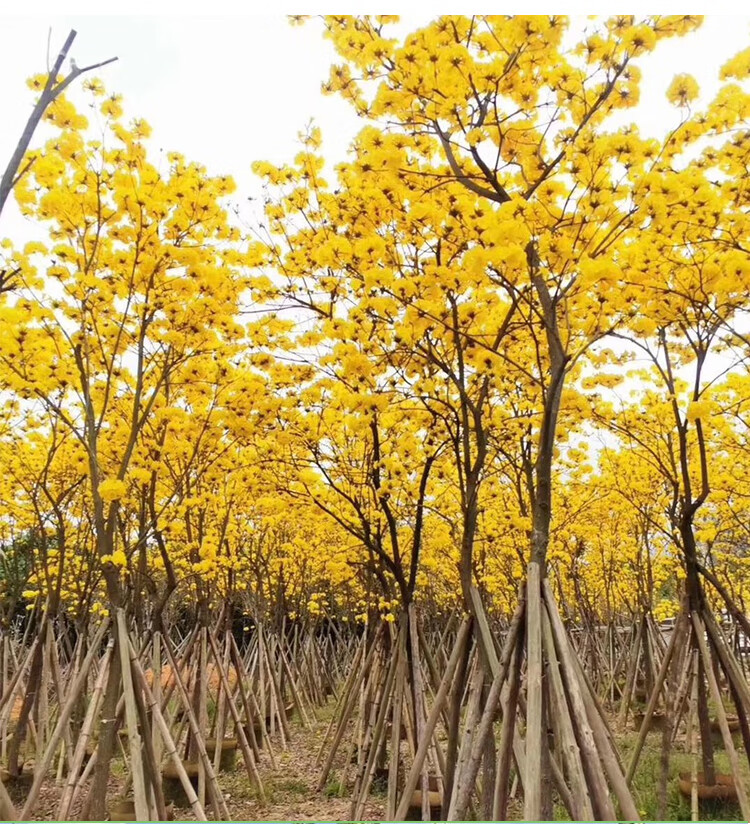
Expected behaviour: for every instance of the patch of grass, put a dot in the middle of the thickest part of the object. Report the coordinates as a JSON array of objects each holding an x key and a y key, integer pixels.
[
  {"x": 560, "y": 813},
  {"x": 379, "y": 786},
  {"x": 291, "y": 786},
  {"x": 240, "y": 787},
  {"x": 332, "y": 787},
  {"x": 646, "y": 782},
  {"x": 117, "y": 766}
]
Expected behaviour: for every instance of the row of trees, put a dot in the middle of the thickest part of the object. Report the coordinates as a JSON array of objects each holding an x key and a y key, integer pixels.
[{"x": 497, "y": 366}]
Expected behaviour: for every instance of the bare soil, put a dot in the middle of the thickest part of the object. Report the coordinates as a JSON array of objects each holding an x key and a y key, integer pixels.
[{"x": 290, "y": 789}]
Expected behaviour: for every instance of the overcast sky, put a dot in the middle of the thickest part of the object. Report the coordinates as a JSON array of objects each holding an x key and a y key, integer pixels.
[{"x": 228, "y": 90}]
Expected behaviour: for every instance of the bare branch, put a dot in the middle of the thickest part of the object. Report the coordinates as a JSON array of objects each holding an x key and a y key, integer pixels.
[{"x": 51, "y": 91}]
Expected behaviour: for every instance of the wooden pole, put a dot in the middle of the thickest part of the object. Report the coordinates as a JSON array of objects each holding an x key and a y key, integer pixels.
[
  {"x": 532, "y": 783},
  {"x": 458, "y": 808},
  {"x": 397, "y": 709},
  {"x": 342, "y": 700},
  {"x": 734, "y": 763},
  {"x": 358, "y": 800},
  {"x": 590, "y": 755},
  {"x": 131, "y": 717},
  {"x": 252, "y": 770},
  {"x": 169, "y": 744},
  {"x": 84, "y": 736},
  {"x": 348, "y": 706},
  {"x": 565, "y": 732},
  {"x": 418, "y": 694},
  {"x": 693, "y": 732},
  {"x": 432, "y": 719},
  {"x": 500, "y": 798},
  {"x": 652, "y": 705},
  {"x": 40, "y": 770},
  {"x": 218, "y": 796},
  {"x": 249, "y": 705}
]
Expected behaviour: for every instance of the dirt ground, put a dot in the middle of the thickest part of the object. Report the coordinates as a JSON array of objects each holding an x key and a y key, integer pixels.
[
  {"x": 292, "y": 795},
  {"x": 290, "y": 788}
]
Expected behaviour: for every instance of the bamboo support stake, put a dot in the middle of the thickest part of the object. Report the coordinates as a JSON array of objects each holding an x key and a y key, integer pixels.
[
  {"x": 7, "y": 810},
  {"x": 419, "y": 703},
  {"x": 454, "y": 700},
  {"x": 457, "y": 809},
  {"x": 564, "y": 729},
  {"x": 735, "y": 678},
  {"x": 507, "y": 732},
  {"x": 6, "y": 702},
  {"x": 273, "y": 705},
  {"x": 169, "y": 744},
  {"x": 603, "y": 740},
  {"x": 590, "y": 755},
  {"x": 346, "y": 712},
  {"x": 397, "y": 712},
  {"x": 151, "y": 766},
  {"x": 84, "y": 736},
  {"x": 488, "y": 648},
  {"x": 356, "y": 742},
  {"x": 247, "y": 755},
  {"x": 252, "y": 717},
  {"x": 358, "y": 801},
  {"x": 218, "y": 796},
  {"x": 296, "y": 696},
  {"x": 202, "y": 683},
  {"x": 729, "y": 663},
  {"x": 186, "y": 649},
  {"x": 651, "y": 706},
  {"x": 424, "y": 742},
  {"x": 42, "y": 700},
  {"x": 156, "y": 691},
  {"x": 433, "y": 672},
  {"x": 463, "y": 781},
  {"x": 692, "y": 731},
  {"x": 532, "y": 781},
  {"x": 85, "y": 775},
  {"x": 5, "y": 681},
  {"x": 223, "y": 693},
  {"x": 683, "y": 693},
  {"x": 485, "y": 633},
  {"x": 261, "y": 675},
  {"x": 249, "y": 704},
  {"x": 131, "y": 716},
  {"x": 343, "y": 699},
  {"x": 734, "y": 763},
  {"x": 62, "y": 721},
  {"x": 62, "y": 694}
]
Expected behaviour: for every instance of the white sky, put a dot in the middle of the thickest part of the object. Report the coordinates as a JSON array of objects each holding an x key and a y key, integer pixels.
[{"x": 230, "y": 89}]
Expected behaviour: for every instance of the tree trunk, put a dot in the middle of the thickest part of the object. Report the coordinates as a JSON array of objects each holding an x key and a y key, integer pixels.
[{"x": 97, "y": 809}]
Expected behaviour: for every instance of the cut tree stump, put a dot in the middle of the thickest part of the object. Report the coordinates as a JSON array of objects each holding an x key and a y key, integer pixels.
[
  {"x": 18, "y": 788},
  {"x": 228, "y": 753},
  {"x": 123, "y": 810},
  {"x": 25, "y": 777},
  {"x": 255, "y": 729},
  {"x": 732, "y": 721},
  {"x": 415, "y": 806},
  {"x": 734, "y": 727},
  {"x": 172, "y": 786},
  {"x": 723, "y": 790},
  {"x": 436, "y": 805},
  {"x": 658, "y": 720}
]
